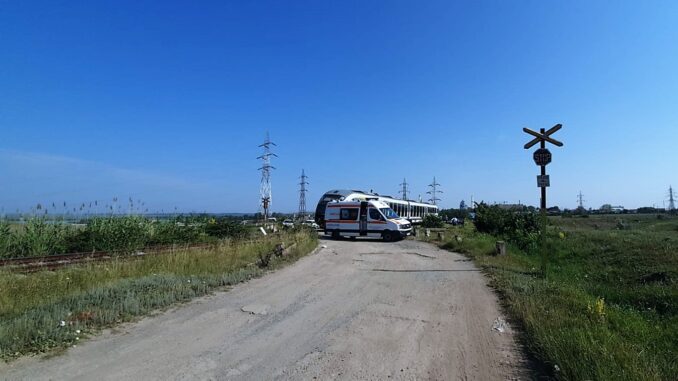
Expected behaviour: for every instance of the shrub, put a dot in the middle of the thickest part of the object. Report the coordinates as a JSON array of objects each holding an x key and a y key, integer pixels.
[
  {"x": 124, "y": 234},
  {"x": 521, "y": 228},
  {"x": 223, "y": 228},
  {"x": 41, "y": 238},
  {"x": 175, "y": 231},
  {"x": 432, "y": 221}
]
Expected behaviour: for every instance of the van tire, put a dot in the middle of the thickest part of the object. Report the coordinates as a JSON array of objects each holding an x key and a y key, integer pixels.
[
  {"x": 335, "y": 234},
  {"x": 387, "y": 236}
]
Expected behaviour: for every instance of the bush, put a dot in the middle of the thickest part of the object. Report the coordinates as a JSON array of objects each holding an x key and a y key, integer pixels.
[
  {"x": 432, "y": 221},
  {"x": 521, "y": 228},
  {"x": 124, "y": 234},
  {"x": 223, "y": 228},
  {"x": 175, "y": 231},
  {"x": 41, "y": 238}
]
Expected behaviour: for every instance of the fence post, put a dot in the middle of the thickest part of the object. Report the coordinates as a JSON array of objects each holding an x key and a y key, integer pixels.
[{"x": 501, "y": 248}]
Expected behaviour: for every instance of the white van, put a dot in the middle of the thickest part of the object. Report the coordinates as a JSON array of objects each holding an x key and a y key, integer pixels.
[{"x": 371, "y": 218}]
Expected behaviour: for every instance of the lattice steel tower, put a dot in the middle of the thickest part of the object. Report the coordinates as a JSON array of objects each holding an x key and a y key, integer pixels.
[
  {"x": 266, "y": 167},
  {"x": 302, "y": 195},
  {"x": 580, "y": 200},
  {"x": 434, "y": 192},
  {"x": 672, "y": 200},
  {"x": 404, "y": 190}
]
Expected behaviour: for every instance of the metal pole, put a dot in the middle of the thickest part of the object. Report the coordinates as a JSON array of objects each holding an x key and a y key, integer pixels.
[{"x": 542, "y": 144}]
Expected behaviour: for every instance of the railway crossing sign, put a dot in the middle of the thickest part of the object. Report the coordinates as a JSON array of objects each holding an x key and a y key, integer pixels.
[
  {"x": 542, "y": 156},
  {"x": 543, "y": 136}
]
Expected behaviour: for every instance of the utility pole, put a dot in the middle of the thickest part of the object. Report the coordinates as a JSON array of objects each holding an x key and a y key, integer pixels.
[
  {"x": 302, "y": 195},
  {"x": 672, "y": 200},
  {"x": 434, "y": 192},
  {"x": 266, "y": 167},
  {"x": 404, "y": 189}
]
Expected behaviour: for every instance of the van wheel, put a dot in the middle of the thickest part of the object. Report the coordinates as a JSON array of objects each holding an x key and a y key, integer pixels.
[
  {"x": 387, "y": 236},
  {"x": 335, "y": 234},
  {"x": 352, "y": 238}
]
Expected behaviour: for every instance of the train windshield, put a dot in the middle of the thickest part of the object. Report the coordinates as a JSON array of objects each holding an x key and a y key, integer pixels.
[{"x": 389, "y": 213}]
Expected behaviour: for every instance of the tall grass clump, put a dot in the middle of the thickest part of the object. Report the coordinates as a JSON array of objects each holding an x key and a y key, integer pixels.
[
  {"x": 119, "y": 234},
  {"x": 45, "y": 310}
]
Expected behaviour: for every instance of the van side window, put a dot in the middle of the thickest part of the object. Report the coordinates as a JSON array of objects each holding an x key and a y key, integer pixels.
[
  {"x": 349, "y": 214},
  {"x": 374, "y": 214}
]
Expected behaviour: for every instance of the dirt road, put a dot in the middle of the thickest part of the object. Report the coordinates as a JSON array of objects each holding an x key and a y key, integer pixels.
[{"x": 354, "y": 310}]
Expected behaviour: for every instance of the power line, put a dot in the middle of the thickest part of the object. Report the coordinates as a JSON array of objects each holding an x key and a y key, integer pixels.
[
  {"x": 434, "y": 192},
  {"x": 265, "y": 188},
  {"x": 302, "y": 195},
  {"x": 404, "y": 190}
]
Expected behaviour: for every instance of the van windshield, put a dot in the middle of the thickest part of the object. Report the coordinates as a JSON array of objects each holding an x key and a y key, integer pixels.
[{"x": 389, "y": 213}]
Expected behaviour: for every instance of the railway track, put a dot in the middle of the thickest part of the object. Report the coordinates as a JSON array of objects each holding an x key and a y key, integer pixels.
[{"x": 51, "y": 262}]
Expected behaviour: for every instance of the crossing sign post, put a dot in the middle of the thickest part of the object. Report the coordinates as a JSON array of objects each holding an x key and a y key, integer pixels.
[{"x": 542, "y": 157}]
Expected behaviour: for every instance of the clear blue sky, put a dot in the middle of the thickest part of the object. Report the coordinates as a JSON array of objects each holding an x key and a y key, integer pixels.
[{"x": 167, "y": 101}]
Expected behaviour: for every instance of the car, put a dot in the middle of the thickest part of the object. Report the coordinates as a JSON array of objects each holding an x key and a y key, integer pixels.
[
  {"x": 311, "y": 224},
  {"x": 288, "y": 224}
]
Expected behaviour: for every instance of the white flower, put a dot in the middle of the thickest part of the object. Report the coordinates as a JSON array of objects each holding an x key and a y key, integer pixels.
[
  {"x": 62, "y": 323},
  {"x": 77, "y": 331}
]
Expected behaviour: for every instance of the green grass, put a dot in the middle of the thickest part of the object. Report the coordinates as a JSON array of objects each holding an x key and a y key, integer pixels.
[
  {"x": 94, "y": 296},
  {"x": 607, "y": 307}
]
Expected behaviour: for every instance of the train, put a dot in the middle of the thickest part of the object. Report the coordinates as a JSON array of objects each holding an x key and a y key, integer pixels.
[{"x": 411, "y": 210}]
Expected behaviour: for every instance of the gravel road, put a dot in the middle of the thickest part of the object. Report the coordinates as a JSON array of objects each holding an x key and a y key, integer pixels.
[{"x": 364, "y": 310}]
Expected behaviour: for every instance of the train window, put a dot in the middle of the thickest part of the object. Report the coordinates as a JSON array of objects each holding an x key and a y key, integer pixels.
[{"x": 349, "y": 214}]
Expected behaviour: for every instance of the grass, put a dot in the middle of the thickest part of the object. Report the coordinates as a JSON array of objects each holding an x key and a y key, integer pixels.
[
  {"x": 90, "y": 297},
  {"x": 607, "y": 307}
]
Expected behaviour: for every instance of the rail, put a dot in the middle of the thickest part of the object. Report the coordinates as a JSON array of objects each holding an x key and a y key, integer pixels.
[{"x": 50, "y": 262}]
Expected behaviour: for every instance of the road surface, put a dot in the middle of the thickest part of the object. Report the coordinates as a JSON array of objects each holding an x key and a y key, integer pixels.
[{"x": 364, "y": 310}]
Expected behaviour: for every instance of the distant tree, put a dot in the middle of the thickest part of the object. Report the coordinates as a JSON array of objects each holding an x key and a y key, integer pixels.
[
  {"x": 448, "y": 214},
  {"x": 648, "y": 210},
  {"x": 462, "y": 205},
  {"x": 580, "y": 210},
  {"x": 606, "y": 208}
]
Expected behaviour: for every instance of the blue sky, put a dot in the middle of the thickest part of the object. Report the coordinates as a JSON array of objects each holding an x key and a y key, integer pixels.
[{"x": 167, "y": 101}]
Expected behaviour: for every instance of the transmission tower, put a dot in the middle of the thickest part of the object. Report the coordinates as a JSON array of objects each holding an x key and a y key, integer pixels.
[
  {"x": 434, "y": 192},
  {"x": 302, "y": 195},
  {"x": 580, "y": 200},
  {"x": 266, "y": 167},
  {"x": 672, "y": 200},
  {"x": 404, "y": 190}
]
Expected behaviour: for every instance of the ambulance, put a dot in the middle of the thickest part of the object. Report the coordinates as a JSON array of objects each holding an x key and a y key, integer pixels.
[{"x": 367, "y": 218}]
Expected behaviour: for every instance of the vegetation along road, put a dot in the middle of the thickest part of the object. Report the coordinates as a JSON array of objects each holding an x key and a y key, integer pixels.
[{"x": 353, "y": 310}]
